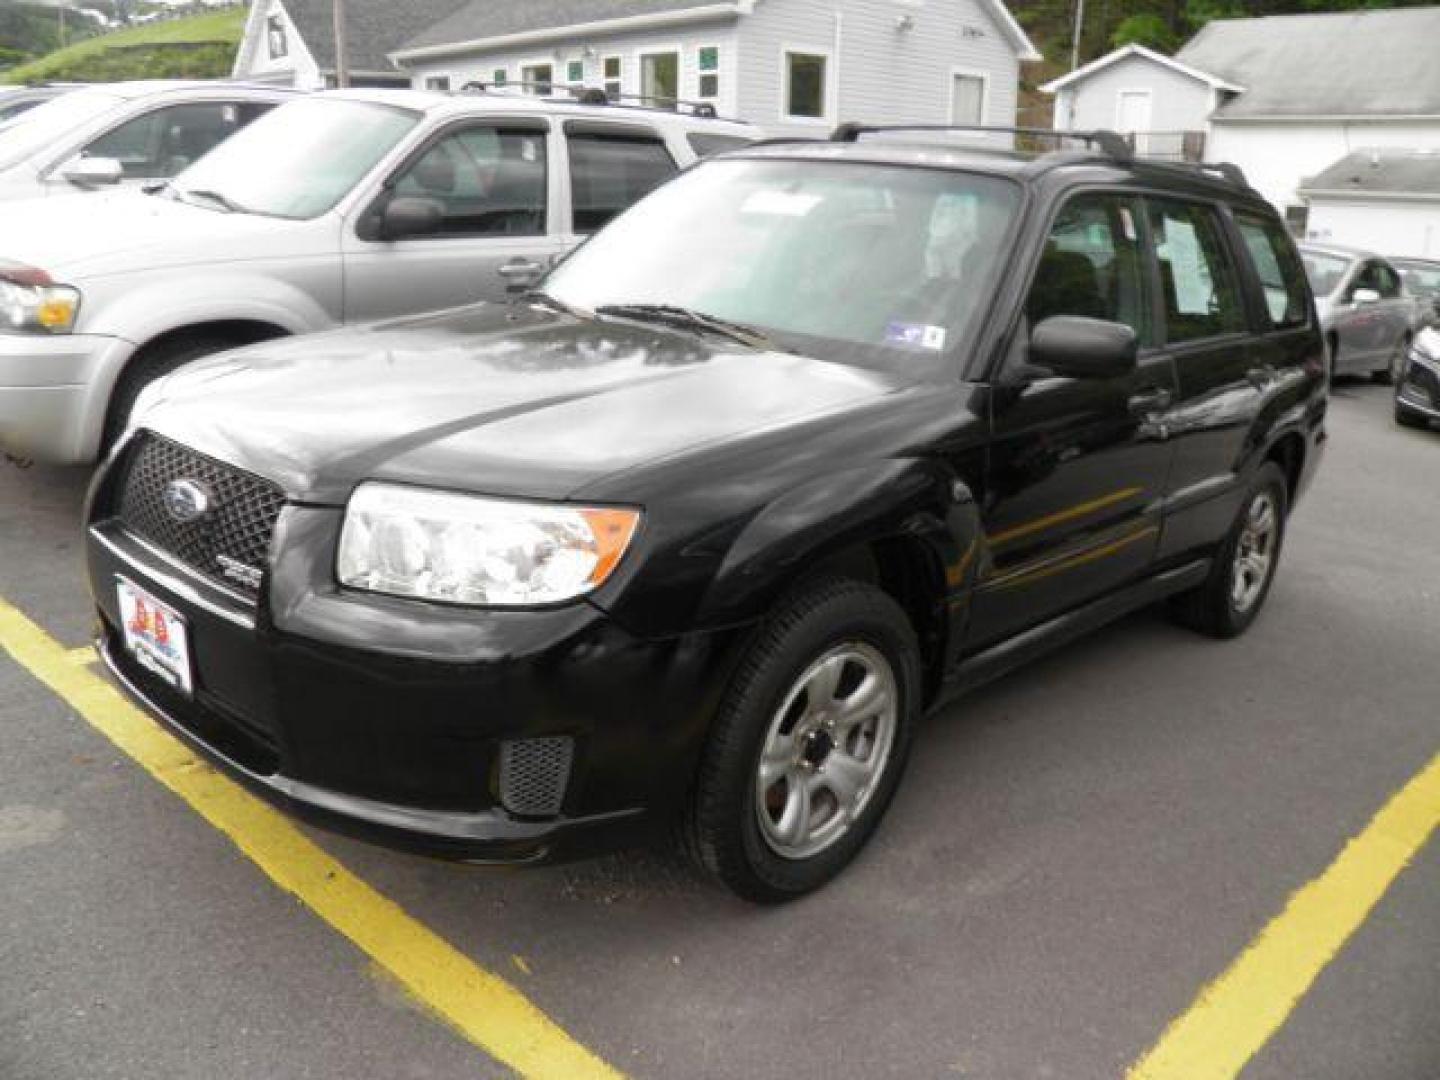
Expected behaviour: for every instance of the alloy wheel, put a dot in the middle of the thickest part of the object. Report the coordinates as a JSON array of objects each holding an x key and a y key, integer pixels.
[
  {"x": 1255, "y": 552},
  {"x": 825, "y": 751}
]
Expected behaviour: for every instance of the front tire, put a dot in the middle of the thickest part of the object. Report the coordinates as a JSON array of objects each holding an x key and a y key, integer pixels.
[
  {"x": 809, "y": 743},
  {"x": 150, "y": 364},
  {"x": 1231, "y": 597}
]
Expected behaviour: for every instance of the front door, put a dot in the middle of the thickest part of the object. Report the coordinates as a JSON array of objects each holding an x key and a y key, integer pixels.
[
  {"x": 494, "y": 184},
  {"x": 660, "y": 78},
  {"x": 1132, "y": 116},
  {"x": 1078, "y": 467}
]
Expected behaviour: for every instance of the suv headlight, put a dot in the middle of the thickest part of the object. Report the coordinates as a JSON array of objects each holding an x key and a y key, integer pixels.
[
  {"x": 31, "y": 303},
  {"x": 467, "y": 549}
]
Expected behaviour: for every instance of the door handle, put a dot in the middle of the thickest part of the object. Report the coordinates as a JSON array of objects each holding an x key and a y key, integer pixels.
[
  {"x": 520, "y": 268},
  {"x": 1260, "y": 377},
  {"x": 1152, "y": 400}
]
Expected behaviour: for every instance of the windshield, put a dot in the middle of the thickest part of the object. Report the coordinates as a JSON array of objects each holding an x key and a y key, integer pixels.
[
  {"x": 1421, "y": 278},
  {"x": 299, "y": 160},
  {"x": 887, "y": 265},
  {"x": 36, "y": 129},
  {"x": 1324, "y": 271}
]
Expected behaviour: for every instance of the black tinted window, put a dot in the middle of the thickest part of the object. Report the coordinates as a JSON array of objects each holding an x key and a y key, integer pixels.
[
  {"x": 164, "y": 142},
  {"x": 1092, "y": 266},
  {"x": 1282, "y": 276},
  {"x": 1197, "y": 281},
  {"x": 488, "y": 181},
  {"x": 609, "y": 173},
  {"x": 706, "y": 143}
]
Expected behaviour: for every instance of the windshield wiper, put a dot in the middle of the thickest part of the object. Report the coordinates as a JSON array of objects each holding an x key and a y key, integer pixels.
[
  {"x": 554, "y": 303},
  {"x": 687, "y": 319},
  {"x": 229, "y": 205}
]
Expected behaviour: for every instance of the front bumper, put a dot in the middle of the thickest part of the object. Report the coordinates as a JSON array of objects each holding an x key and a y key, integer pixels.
[
  {"x": 401, "y": 741},
  {"x": 1418, "y": 389},
  {"x": 52, "y": 394}
]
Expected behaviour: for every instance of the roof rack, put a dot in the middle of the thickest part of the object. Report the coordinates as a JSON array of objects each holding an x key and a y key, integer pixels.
[
  {"x": 1109, "y": 143},
  {"x": 593, "y": 95}
]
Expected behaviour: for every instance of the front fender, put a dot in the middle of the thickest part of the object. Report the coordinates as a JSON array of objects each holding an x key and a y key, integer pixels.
[
  {"x": 143, "y": 314},
  {"x": 913, "y": 501}
]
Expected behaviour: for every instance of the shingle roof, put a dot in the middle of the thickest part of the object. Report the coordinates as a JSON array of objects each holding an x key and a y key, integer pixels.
[
  {"x": 1384, "y": 172},
  {"x": 1359, "y": 63},
  {"x": 373, "y": 28},
  {"x": 480, "y": 19}
]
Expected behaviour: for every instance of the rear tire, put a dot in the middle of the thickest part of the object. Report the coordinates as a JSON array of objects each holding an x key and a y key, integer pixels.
[
  {"x": 1405, "y": 418},
  {"x": 1231, "y": 597},
  {"x": 809, "y": 743},
  {"x": 149, "y": 364}
]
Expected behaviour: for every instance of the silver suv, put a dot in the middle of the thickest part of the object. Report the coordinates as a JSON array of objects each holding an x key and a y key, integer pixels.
[
  {"x": 127, "y": 134},
  {"x": 339, "y": 207}
]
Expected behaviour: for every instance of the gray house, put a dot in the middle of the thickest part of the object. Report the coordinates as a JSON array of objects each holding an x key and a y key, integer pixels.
[
  {"x": 1382, "y": 200},
  {"x": 292, "y": 42},
  {"x": 1283, "y": 97},
  {"x": 790, "y": 66}
]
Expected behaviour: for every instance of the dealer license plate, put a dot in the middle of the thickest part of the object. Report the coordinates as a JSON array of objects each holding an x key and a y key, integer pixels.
[{"x": 155, "y": 635}]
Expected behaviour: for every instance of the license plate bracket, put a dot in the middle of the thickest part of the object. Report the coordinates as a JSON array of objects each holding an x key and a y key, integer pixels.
[{"x": 156, "y": 636}]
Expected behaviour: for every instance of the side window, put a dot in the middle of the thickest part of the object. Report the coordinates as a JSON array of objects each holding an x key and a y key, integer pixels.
[
  {"x": 1367, "y": 277},
  {"x": 1278, "y": 266},
  {"x": 611, "y": 171},
  {"x": 1197, "y": 282},
  {"x": 162, "y": 143},
  {"x": 1389, "y": 282},
  {"x": 489, "y": 181},
  {"x": 1093, "y": 266}
]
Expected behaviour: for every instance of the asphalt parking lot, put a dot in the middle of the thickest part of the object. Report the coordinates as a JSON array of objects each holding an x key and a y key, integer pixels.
[{"x": 1077, "y": 851}]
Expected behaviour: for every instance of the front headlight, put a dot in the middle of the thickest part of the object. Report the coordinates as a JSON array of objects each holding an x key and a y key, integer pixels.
[
  {"x": 466, "y": 549},
  {"x": 31, "y": 303}
]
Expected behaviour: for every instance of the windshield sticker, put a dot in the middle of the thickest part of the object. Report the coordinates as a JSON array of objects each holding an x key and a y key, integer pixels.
[
  {"x": 915, "y": 335},
  {"x": 781, "y": 203}
]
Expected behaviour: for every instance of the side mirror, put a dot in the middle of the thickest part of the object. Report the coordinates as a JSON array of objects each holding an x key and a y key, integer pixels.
[
  {"x": 1365, "y": 296},
  {"x": 407, "y": 216},
  {"x": 1078, "y": 348},
  {"x": 92, "y": 172}
]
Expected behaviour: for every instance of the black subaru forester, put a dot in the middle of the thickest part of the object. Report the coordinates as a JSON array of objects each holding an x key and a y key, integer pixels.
[{"x": 811, "y": 439}]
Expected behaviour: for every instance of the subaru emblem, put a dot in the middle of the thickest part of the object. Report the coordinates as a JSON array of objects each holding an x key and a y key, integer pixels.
[{"x": 187, "y": 500}]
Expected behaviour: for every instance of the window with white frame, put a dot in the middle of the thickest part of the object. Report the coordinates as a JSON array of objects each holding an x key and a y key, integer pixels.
[
  {"x": 967, "y": 98},
  {"x": 707, "y": 64},
  {"x": 499, "y": 77},
  {"x": 539, "y": 79},
  {"x": 438, "y": 82},
  {"x": 613, "y": 68},
  {"x": 275, "y": 37},
  {"x": 806, "y": 75},
  {"x": 575, "y": 72}
]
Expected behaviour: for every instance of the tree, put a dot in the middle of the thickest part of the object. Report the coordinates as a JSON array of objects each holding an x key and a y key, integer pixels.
[{"x": 1148, "y": 29}]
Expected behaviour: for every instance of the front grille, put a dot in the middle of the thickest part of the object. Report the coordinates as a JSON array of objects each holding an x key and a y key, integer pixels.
[
  {"x": 233, "y": 536},
  {"x": 533, "y": 775}
]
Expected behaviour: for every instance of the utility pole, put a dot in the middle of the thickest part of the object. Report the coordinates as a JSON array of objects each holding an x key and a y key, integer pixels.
[
  {"x": 342, "y": 63},
  {"x": 60, "y": 7},
  {"x": 1079, "y": 28}
]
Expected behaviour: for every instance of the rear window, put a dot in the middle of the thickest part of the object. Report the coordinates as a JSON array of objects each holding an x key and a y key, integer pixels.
[
  {"x": 708, "y": 143},
  {"x": 1324, "y": 271},
  {"x": 1282, "y": 277}
]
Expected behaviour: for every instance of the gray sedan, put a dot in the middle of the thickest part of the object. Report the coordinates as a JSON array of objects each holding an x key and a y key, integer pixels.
[{"x": 1365, "y": 311}]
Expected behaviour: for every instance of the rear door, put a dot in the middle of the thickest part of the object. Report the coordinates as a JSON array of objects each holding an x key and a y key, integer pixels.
[
  {"x": 1075, "y": 483},
  {"x": 495, "y": 183},
  {"x": 1208, "y": 330}
]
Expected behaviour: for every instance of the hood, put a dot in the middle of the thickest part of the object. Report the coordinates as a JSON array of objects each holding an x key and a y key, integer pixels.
[
  {"x": 70, "y": 236},
  {"x": 496, "y": 400}
]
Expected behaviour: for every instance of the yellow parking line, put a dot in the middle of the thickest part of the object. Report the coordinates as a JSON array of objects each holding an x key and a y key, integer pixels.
[
  {"x": 84, "y": 656},
  {"x": 1236, "y": 1015},
  {"x": 481, "y": 1006}
]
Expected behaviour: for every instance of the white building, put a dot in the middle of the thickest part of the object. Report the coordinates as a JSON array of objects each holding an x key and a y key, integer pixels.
[
  {"x": 791, "y": 66},
  {"x": 292, "y": 42},
  {"x": 1380, "y": 200},
  {"x": 1283, "y": 97}
]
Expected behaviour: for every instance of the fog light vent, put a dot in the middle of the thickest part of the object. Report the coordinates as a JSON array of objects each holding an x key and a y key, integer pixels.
[{"x": 533, "y": 775}]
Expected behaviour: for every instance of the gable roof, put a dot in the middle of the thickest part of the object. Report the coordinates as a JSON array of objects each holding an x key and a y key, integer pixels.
[
  {"x": 1392, "y": 173},
  {"x": 373, "y": 28},
  {"x": 1347, "y": 64},
  {"x": 485, "y": 24},
  {"x": 1124, "y": 53}
]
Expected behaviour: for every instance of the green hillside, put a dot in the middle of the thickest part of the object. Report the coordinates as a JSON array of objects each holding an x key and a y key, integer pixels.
[{"x": 198, "y": 46}]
